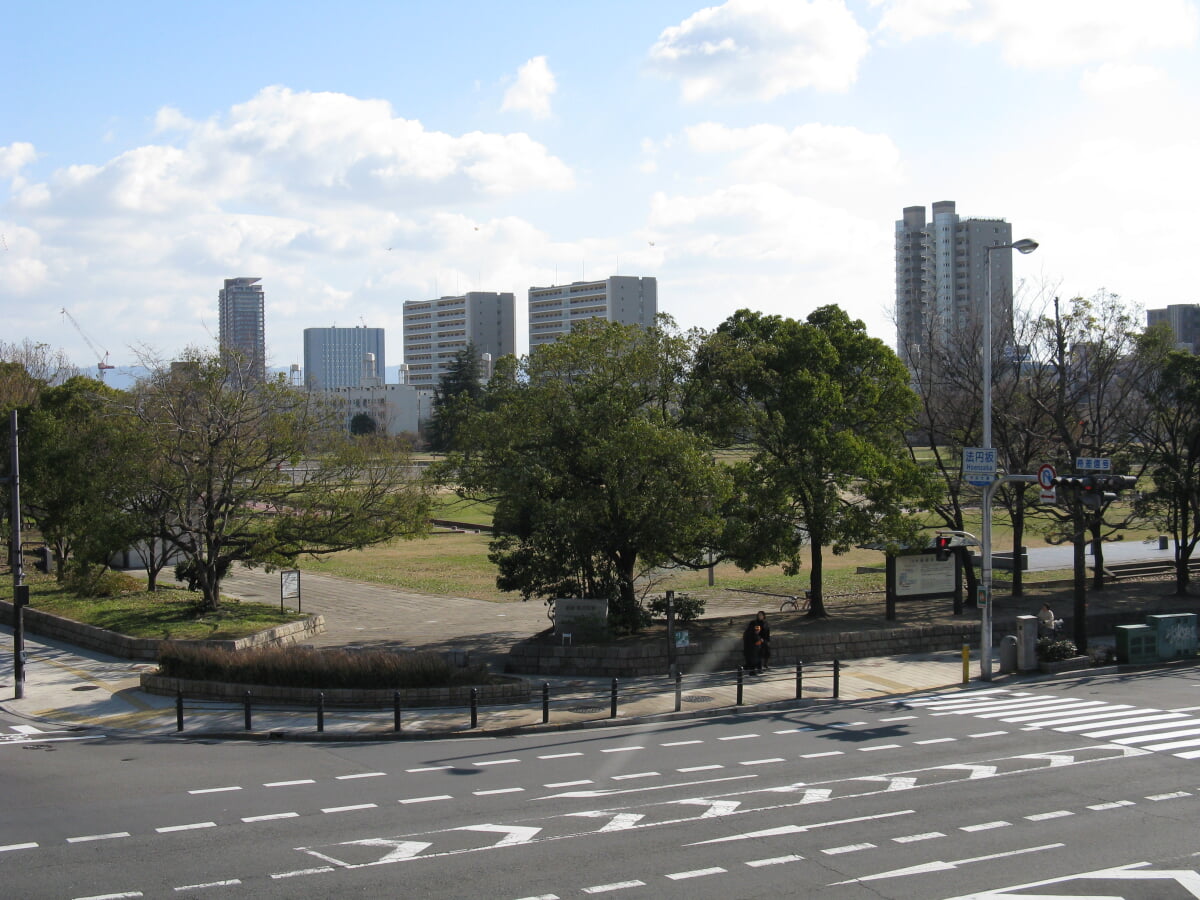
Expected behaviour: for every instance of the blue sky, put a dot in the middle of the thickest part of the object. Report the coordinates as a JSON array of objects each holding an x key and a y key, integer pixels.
[{"x": 754, "y": 153}]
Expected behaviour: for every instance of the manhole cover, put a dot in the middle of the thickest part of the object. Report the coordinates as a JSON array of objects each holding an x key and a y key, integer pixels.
[
  {"x": 697, "y": 698},
  {"x": 588, "y": 709},
  {"x": 87, "y": 687}
]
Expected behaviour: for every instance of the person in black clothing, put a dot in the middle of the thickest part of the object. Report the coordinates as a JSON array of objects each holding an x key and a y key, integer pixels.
[
  {"x": 761, "y": 620},
  {"x": 752, "y": 644}
]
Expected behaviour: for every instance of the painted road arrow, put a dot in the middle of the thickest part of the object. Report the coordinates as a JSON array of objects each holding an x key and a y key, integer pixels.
[
  {"x": 513, "y": 834},
  {"x": 939, "y": 865}
]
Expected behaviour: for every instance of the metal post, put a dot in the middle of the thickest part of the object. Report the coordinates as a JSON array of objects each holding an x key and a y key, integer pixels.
[
  {"x": 474, "y": 707},
  {"x": 246, "y": 709},
  {"x": 320, "y": 711},
  {"x": 18, "y": 564},
  {"x": 740, "y": 685},
  {"x": 837, "y": 677},
  {"x": 799, "y": 680},
  {"x": 179, "y": 710},
  {"x": 396, "y": 711},
  {"x": 612, "y": 707},
  {"x": 545, "y": 702},
  {"x": 678, "y": 690},
  {"x": 966, "y": 658}
]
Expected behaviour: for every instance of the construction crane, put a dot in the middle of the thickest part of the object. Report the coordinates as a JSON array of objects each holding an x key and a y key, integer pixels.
[{"x": 102, "y": 359}]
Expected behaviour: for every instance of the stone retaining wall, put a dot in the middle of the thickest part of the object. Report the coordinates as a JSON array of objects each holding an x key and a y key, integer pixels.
[
  {"x": 92, "y": 638},
  {"x": 514, "y": 691},
  {"x": 538, "y": 657}
]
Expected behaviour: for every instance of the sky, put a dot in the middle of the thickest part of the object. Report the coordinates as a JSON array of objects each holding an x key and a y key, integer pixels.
[{"x": 751, "y": 154}]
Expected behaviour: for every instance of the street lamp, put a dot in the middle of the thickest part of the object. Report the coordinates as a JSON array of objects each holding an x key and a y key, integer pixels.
[{"x": 985, "y": 556}]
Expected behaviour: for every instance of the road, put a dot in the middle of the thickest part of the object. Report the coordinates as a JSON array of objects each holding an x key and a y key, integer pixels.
[{"x": 1091, "y": 785}]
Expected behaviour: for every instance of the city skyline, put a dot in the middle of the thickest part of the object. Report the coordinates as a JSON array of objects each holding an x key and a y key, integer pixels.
[{"x": 746, "y": 154}]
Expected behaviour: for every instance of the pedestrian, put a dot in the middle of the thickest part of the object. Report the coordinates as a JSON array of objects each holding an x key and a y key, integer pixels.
[
  {"x": 1046, "y": 621},
  {"x": 761, "y": 619},
  {"x": 752, "y": 645}
]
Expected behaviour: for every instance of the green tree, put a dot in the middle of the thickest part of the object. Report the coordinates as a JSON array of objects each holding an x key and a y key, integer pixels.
[
  {"x": 223, "y": 442},
  {"x": 457, "y": 393},
  {"x": 1169, "y": 431},
  {"x": 821, "y": 406},
  {"x": 595, "y": 482}
]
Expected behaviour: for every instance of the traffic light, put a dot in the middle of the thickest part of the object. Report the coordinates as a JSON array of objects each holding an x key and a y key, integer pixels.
[
  {"x": 1096, "y": 491},
  {"x": 941, "y": 545}
]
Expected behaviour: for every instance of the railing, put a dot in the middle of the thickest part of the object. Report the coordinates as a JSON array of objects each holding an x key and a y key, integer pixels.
[{"x": 607, "y": 701}]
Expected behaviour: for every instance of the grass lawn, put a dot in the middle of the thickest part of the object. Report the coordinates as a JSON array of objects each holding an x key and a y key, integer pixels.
[{"x": 168, "y": 614}]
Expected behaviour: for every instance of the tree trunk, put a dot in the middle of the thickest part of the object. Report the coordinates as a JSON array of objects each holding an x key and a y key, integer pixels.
[
  {"x": 1079, "y": 608},
  {"x": 1018, "y": 523},
  {"x": 1097, "y": 523},
  {"x": 816, "y": 607}
]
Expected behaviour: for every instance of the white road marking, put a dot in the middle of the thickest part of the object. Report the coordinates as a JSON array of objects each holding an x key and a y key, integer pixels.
[
  {"x": 29, "y": 846},
  {"x": 166, "y": 829},
  {"x": 987, "y": 734},
  {"x": 1057, "y": 814},
  {"x": 1138, "y": 726},
  {"x": 513, "y": 834},
  {"x": 897, "y": 719},
  {"x": 707, "y": 768},
  {"x": 849, "y": 848},
  {"x": 271, "y": 817},
  {"x": 228, "y": 882},
  {"x": 938, "y": 865},
  {"x": 621, "y": 749},
  {"x": 119, "y": 896},
  {"x": 680, "y": 743},
  {"x": 774, "y": 860},
  {"x": 636, "y": 775},
  {"x": 819, "y": 755},
  {"x": 558, "y": 784},
  {"x": 986, "y": 826},
  {"x": 936, "y": 741},
  {"x": 797, "y": 731},
  {"x": 542, "y": 897},
  {"x": 1172, "y": 796},
  {"x": 878, "y": 747},
  {"x": 762, "y": 762},
  {"x": 559, "y": 755},
  {"x": 615, "y": 886},
  {"x": 496, "y": 762},
  {"x": 619, "y": 822},
  {"x": 696, "y": 873},
  {"x": 98, "y": 837},
  {"x": 800, "y": 829},
  {"x": 429, "y": 769},
  {"x": 299, "y": 872},
  {"x": 215, "y": 790},
  {"x": 26, "y": 729},
  {"x": 361, "y": 775},
  {"x": 511, "y": 790},
  {"x": 737, "y": 737},
  {"x": 1116, "y": 804},
  {"x": 427, "y": 799},
  {"x": 913, "y": 838},
  {"x": 354, "y": 808},
  {"x": 289, "y": 783}
]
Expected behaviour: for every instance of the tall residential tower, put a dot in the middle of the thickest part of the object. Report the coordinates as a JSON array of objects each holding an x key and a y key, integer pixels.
[
  {"x": 435, "y": 331},
  {"x": 242, "y": 325},
  {"x": 941, "y": 277},
  {"x": 554, "y": 310}
]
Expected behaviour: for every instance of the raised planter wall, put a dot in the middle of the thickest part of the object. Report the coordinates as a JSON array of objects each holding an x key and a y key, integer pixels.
[
  {"x": 92, "y": 638},
  {"x": 537, "y": 657},
  {"x": 515, "y": 691}
]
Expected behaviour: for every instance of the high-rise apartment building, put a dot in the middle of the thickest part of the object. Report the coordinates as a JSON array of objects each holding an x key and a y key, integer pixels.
[
  {"x": 435, "y": 331},
  {"x": 1184, "y": 319},
  {"x": 554, "y": 310},
  {"x": 941, "y": 277},
  {"x": 242, "y": 324},
  {"x": 336, "y": 357}
]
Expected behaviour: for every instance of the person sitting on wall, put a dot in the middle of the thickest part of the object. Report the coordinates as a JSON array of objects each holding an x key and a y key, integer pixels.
[
  {"x": 752, "y": 645},
  {"x": 761, "y": 619}
]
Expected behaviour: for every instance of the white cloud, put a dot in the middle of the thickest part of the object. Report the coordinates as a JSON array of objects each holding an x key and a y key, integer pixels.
[
  {"x": 1114, "y": 79},
  {"x": 15, "y": 157},
  {"x": 532, "y": 90},
  {"x": 1038, "y": 34},
  {"x": 762, "y": 49}
]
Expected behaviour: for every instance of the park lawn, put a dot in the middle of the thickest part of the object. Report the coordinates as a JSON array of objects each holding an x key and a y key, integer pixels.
[{"x": 170, "y": 613}]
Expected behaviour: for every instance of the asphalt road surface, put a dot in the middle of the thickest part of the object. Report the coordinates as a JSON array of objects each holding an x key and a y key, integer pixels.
[{"x": 1085, "y": 788}]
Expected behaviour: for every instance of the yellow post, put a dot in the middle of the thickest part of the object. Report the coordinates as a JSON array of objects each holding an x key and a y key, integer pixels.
[{"x": 966, "y": 664}]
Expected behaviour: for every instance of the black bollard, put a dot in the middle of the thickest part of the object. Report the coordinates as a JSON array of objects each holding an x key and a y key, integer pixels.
[
  {"x": 396, "y": 711},
  {"x": 612, "y": 709},
  {"x": 799, "y": 680},
  {"x": 545, "y": 702},
  {"x": 320, "y": 711},
  {"x": 678, "y": 690},
  {"x": 740, "y": 685},
  {"x": 246, "y": 709},
  {"x": 837, "y": 677},
  {"x": 179, "y": 710},
  {"x": 474, "y": 707}
]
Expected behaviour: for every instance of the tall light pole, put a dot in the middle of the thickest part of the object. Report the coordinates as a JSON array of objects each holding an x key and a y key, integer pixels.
[{"x": 985, "y": 555}]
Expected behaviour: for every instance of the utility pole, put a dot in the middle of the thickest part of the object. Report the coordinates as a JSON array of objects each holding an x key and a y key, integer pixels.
[{"x": 20, "y": 589}]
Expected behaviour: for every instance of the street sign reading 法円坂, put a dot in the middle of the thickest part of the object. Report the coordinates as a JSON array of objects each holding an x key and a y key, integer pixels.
[{"x": 979, "y": 465}]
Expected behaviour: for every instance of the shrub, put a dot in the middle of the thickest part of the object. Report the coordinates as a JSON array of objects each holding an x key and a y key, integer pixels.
[
  {"x": 87, "y": 581},
  {"x": 1051, "y": 649},
  {"x": 309, "y": 668},
  {"x": 687, "y": 609}
]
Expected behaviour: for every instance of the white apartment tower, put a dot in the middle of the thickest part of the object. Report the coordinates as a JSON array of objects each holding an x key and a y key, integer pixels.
[
  {"x": 554, "y": 310},
  {"x": 241, "y": 324},
  {"x": 941, "y": 277},
  {"x": 435, "y": 331},
  {"x": 333, "y": 357}
]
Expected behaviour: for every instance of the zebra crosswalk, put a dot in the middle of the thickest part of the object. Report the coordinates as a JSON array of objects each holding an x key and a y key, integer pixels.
[
  {"x": 1147, "y": 728},
  {"x": 31, "y": 734}
]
